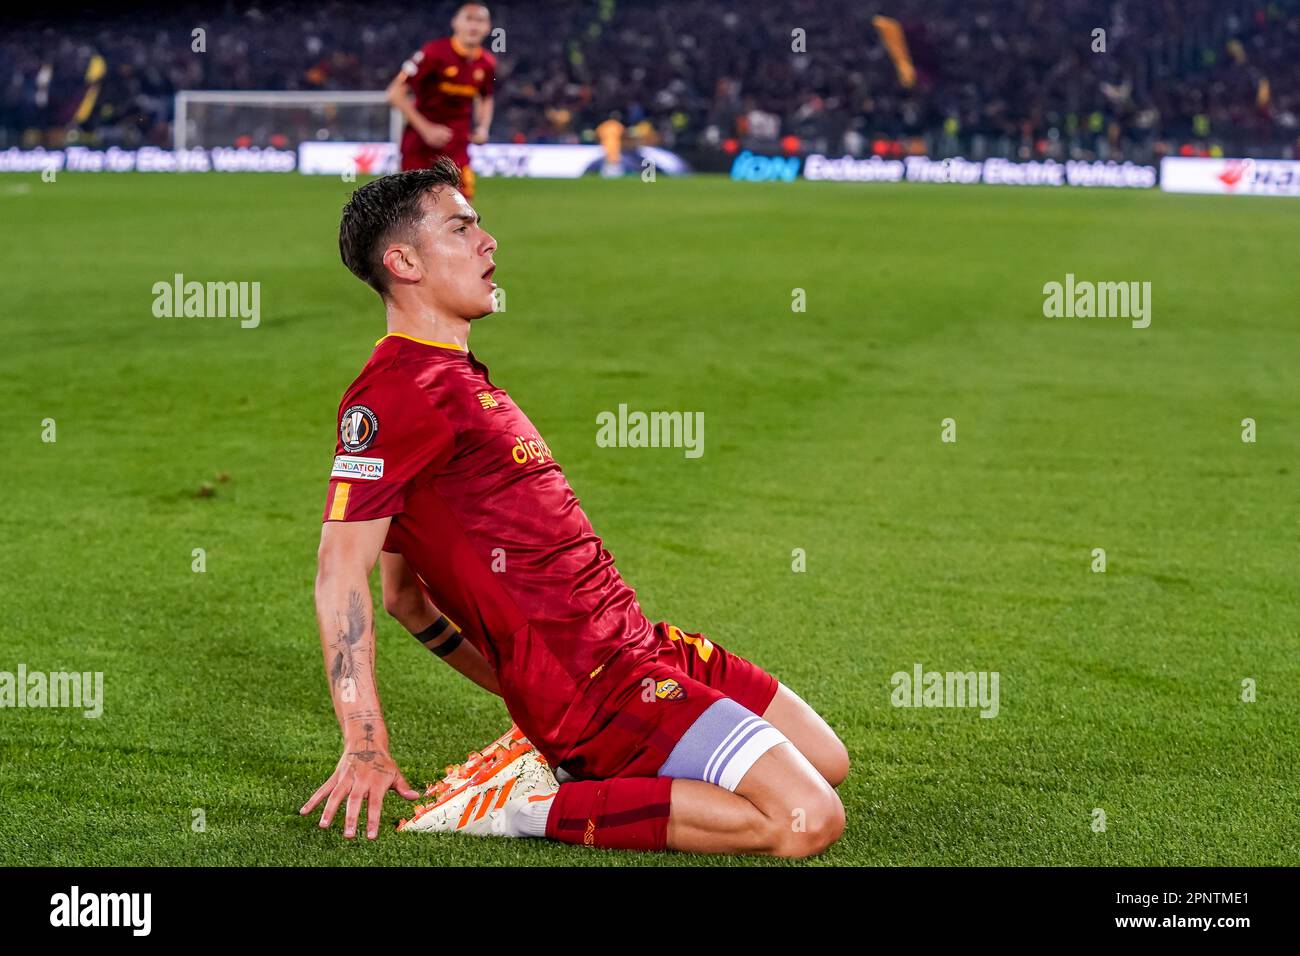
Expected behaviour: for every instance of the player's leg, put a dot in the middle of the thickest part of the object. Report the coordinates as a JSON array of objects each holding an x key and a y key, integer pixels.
[
  {"x": 749, "y": 685},
  {"x": 676, "y": 766},
  {"x": 468, "y": 181},
  {"x": 782, "y": 807},
  {"x": 730, "y": 783},
  {"x": 810, "y": 734},
  {"x": 457, "y": 150},
  {"x": 671, "y": 763},
  {"x": 414, "y": 152}
]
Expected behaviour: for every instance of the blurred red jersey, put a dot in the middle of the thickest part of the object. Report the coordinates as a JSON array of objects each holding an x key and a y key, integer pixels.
[
  {"x": 484, "y": 515},
  {"x": 445, "y": 78}
]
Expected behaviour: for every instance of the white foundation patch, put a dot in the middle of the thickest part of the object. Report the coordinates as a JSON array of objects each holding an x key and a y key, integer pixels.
[{"x": 358, "y": 469}]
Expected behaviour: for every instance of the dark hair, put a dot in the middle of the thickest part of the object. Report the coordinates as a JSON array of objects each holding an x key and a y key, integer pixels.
[{"x": 384, "y": 209}]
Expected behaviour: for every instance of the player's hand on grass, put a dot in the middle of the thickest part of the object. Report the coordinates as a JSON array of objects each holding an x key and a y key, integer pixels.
[
  {"x": 361, "y": 776},
  {"x": 436, "y": 134}
]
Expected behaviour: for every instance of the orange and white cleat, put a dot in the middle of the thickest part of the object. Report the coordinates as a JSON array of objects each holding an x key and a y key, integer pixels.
[
  {"x": 478, "y": 806},
  {"x": 457, "y": 775}
]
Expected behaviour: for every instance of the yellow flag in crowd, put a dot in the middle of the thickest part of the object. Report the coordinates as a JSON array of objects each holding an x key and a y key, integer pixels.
[
  {"x": 891, "y": 35},
  {"x": 95, "y": 71}
]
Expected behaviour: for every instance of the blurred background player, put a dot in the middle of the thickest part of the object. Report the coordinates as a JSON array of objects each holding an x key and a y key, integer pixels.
[
  {"x": 610, "y": 136},
  {"x": 453, "y": 80}
]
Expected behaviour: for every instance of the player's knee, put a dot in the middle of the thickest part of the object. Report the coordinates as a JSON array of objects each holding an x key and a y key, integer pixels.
[
  {"x": 815, "y": 822},
  {"x": 836, "y": 764}
]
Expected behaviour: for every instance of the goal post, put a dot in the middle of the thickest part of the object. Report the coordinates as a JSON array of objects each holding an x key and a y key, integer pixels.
[{"x": 283, "y": 119}]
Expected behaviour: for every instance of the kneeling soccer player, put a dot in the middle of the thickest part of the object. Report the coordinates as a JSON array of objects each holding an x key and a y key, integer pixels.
[{"x": 663, "y": 738}]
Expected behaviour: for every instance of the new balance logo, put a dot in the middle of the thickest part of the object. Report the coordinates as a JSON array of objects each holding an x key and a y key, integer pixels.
[{"x": 486, "y": 400}]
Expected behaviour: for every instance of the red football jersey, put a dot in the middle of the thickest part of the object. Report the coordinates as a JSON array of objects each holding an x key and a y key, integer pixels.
[
  {"x": 445, "y": 78},
  {"x": 484, "y": 515}
]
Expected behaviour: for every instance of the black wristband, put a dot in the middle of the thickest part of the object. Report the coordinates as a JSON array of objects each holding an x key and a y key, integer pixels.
[
  {"x": 449, "y": 645},
  {"x": 436, "y": 630}
]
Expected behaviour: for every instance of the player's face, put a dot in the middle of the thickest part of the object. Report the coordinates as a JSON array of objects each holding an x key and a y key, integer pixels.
[
  {"x": 456, "y": 255},
  {"x": 471, "y": 24}
]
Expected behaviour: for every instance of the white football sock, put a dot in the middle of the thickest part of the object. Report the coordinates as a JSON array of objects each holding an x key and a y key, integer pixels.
[{"x": 526, "y": 817}]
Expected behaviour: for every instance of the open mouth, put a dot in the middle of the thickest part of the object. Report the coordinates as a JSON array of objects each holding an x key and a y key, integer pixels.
[{"x": 487, "y": 275}]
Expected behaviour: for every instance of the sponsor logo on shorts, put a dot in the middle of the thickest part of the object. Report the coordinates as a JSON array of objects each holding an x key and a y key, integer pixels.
[
  {"x": 358, "y": 428},
  {"x": 362, "y": 469},
  {"x": 669, "y": 690}
]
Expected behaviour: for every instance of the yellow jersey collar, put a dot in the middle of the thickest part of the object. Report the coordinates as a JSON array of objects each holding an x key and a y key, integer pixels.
[
  {"x": 402, "y": 335},
  {"x": 462, "y": 50}
]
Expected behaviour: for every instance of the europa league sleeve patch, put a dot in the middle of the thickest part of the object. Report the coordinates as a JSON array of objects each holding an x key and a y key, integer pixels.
[{"x": 358, "y": 428}]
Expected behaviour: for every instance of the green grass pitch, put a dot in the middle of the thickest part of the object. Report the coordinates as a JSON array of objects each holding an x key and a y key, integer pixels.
[{"x": 1118, "y": 690}]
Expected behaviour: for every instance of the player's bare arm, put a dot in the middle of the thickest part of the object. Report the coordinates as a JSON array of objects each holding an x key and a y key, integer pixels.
[
  {"x": 406, "y": 602},
  {"x": 399, "y": 96},
  {"x": 366, "y": 770},
  {"x": 483, "y": 107}
]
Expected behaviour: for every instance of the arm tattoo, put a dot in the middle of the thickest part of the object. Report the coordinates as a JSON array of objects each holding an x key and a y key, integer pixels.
[{"x": 344, "y": 646}]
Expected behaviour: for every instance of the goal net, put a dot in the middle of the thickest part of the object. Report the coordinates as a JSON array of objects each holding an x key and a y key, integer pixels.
[{"x": 283, "y": 120}]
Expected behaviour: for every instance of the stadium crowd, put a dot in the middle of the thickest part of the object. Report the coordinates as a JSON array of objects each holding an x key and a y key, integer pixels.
[{"x": 999, "y": 77}]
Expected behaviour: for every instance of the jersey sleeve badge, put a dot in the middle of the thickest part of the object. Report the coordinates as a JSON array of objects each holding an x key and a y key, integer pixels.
[{"x": 358, "y": 428}]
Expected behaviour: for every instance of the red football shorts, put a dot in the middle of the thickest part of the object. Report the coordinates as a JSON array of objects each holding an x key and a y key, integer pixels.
[
  {"x": 641, "y": 723},
  {"x": 416, "y": 154}
]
